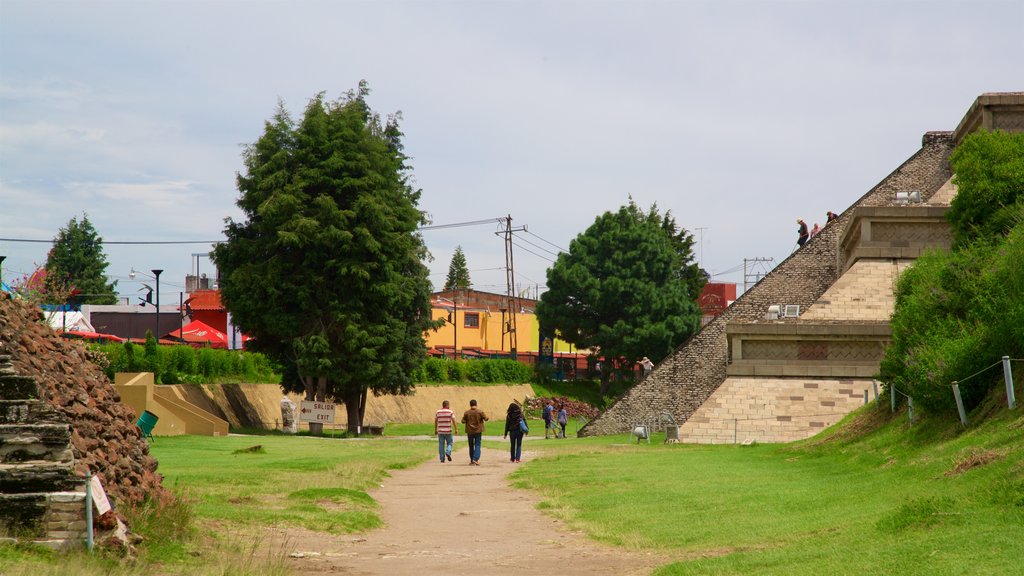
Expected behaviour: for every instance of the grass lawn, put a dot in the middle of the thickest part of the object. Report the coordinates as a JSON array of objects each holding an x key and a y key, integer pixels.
[
  {"x": 870, "y": 496},
  {"x": 893, "y": 502},
  {"x": 230, "y": 492}
]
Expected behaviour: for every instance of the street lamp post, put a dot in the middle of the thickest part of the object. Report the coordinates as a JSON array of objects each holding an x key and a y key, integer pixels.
[{"x": 156, "y": 273}]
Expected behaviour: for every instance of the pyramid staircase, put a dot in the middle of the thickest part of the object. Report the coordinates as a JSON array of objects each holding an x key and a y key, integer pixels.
[
  {"x": 797, "y": 351},
  {"x": 41, "y": 498}
]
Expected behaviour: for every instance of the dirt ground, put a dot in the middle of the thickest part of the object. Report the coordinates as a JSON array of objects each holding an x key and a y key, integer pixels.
[{"x": 454, "y": 518}]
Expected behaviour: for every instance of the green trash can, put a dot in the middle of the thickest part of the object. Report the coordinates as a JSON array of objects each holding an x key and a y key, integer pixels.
[{"x": 146, "y": 422}]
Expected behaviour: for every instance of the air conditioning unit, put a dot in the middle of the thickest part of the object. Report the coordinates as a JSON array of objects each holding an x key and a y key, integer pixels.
[
  {"x": 910, "y": 197},
  {"x": 773, "y": 313},
  {"x": 791, "y": 311}
]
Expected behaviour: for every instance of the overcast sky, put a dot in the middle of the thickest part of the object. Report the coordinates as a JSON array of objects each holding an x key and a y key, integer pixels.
[{"x": 739, "y": 117}]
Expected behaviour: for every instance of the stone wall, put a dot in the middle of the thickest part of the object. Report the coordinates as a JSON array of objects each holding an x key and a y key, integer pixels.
[
  {"x": 40, "y": 496},
  {"x": 60, "y": 418},
  {"x": 682, "y": 382}
]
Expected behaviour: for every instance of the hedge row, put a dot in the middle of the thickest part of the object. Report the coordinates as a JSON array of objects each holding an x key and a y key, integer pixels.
[
  {"x": 185, "y": 364},
  {"x": 442, "y": 370}
]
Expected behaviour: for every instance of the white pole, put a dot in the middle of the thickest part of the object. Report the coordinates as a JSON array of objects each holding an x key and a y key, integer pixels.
[
  {"x": 88, "y": 510},
  {"x": 1008, "y": 377},
  {"x": 959, "y": 404}
]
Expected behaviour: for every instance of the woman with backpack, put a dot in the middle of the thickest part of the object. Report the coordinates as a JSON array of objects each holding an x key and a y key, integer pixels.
[{"x": 515, "y": 429}]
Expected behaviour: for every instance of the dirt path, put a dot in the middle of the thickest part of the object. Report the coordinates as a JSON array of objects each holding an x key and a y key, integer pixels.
[{"x": 454, "y": 518}]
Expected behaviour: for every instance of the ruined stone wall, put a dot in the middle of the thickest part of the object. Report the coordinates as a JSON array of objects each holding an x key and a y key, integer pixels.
[
  {"x": 686, "y": 379},
  {"x": 103, "y": 435}
]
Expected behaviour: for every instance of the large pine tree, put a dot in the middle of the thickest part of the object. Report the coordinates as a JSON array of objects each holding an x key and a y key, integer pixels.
[
  {"x": 458, "y": 272},
  {"x": 326, "y": 271},
  {"x": 76, "y": 266}
]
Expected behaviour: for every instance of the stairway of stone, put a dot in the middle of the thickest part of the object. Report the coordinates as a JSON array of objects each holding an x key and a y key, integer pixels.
[
  {"x": 41, "y": 498},
  {"x": 796, "y": 352},
  {"x": 744, "y": 410}
]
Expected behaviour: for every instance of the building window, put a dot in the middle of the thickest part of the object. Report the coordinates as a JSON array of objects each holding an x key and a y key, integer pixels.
[{"x": 472, "y": 320}]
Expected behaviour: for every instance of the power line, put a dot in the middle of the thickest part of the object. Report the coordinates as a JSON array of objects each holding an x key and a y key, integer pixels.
[
  {"x": 461, "y": 224},
  {"x": 122, "y": 242},
  {"x": 538, "y": 247},
  {"x": 168, "y": 242},
  {"x": 548, "y": 241},
  {"x": 528, "y": 251}
]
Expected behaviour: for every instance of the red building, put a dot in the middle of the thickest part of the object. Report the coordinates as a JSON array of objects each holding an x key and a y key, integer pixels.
[
  {"x": 714, "y": 299},
  {"x": 205, "y": 306}
]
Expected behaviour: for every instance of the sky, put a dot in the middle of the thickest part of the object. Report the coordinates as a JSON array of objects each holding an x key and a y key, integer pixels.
[{"x": 737, "y": 116}]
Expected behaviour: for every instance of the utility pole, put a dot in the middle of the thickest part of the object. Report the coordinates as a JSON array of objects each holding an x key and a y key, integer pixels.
[
  {"x": 510, "y": 283},
  {"x": 700, "y": 230},
  {"x": 756, "y": 271}
]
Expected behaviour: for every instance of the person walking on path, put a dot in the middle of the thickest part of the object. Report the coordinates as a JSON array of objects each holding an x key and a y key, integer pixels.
[
  {"x": 474, "y": 419},
  {"x": 444, "y": 428},
  {"x": 548, "y": 414},
  {"x": 563, "y": 418},
  {"x": 514, "y": 430},
  {"x": 802, "y": 233}
]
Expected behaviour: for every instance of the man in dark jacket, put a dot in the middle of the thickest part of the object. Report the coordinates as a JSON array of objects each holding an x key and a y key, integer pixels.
[
  {"x": 801, "y": 232},
  {"x": 474, "y": 419}
]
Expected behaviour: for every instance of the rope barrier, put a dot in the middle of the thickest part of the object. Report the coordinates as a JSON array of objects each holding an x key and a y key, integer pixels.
[{"x": 996, "y": 363}]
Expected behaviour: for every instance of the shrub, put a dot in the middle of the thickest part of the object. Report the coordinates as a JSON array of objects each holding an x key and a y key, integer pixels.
[{"x": 182, "y": 364}]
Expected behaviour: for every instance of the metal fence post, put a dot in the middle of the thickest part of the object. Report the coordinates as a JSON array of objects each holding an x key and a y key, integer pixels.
[
  {"x": 910, "y": 409},
  {"x": 874, "y": 387},
  {"x": 959, "y": 404},
  {"x": 1008, "y": 377},
  {"x": 735, "y": 425},
  {"x": 88, "y": 511},
  {"x": 892, "y": 398},
  {"x": 865, "y": 396}
]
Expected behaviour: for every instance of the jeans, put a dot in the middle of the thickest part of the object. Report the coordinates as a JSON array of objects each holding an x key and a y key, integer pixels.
[
  {"x": 474, "y": 446},
  {"x": 515, "y": 438},
  {"x": 442, "y": 441}
]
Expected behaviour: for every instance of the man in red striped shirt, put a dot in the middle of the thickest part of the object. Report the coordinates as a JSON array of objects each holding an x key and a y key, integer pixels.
[{"x": 444, "y": 428}]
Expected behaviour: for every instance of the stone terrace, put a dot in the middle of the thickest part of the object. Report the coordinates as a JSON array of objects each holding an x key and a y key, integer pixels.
[
  {"x": 689, "y": 377},
  {"x": 747, "y": 377}
]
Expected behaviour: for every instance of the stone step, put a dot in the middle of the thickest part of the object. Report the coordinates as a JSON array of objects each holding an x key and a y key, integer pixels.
[
  {"x": 25, "y": 411},
  {"x": 14, "y": 386},
  {"x": 37, "y": 476}
]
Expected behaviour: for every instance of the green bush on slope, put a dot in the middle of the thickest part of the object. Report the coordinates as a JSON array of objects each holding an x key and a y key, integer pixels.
[{"x": 957, "y": 313}]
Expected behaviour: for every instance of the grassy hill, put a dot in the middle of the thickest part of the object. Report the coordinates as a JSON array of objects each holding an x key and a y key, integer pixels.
[{"x": 871, "y": 496}]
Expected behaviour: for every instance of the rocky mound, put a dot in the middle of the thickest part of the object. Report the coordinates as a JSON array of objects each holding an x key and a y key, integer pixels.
[{"x": 104, "y": 437}]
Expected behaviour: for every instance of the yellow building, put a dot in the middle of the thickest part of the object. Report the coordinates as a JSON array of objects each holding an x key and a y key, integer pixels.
[{"x": 480, "y": 321}]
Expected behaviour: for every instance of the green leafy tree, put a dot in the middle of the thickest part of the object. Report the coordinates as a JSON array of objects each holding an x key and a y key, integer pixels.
[
  {"x": 989, "y": 175},
  {"x": 621, "y": 288},
  {"x": 76, "y": 265},
  {"x": 458, "y": 272},
  {"x": 682, "y": 241},
  {"x": 957, "y": 312},
  {"x": 326, "y": 271}
]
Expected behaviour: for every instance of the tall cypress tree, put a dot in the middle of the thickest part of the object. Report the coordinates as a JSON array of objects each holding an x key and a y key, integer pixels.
[
  {"x": 326, "y": 270},
  {"x": 76, "y": 265},
  {"x": 458, "y": 273}
]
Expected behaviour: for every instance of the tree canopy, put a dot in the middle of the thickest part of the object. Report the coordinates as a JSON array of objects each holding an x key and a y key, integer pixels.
[
  {"x": 989, "y": 175},
  {"x": 624, "y": 287},
  {"x": 326, "y": 270},
  {"x": 958, "y": 312},
  {"x": 76, "y": 265},
  {"x": 458, "y": 273}
]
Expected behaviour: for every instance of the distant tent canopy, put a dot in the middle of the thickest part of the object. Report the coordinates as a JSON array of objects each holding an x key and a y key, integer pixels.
[
  {"x": 198, "y": 332},
  {"x": 90, "y": 335},
  {"x": 68, "y": 320}
]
